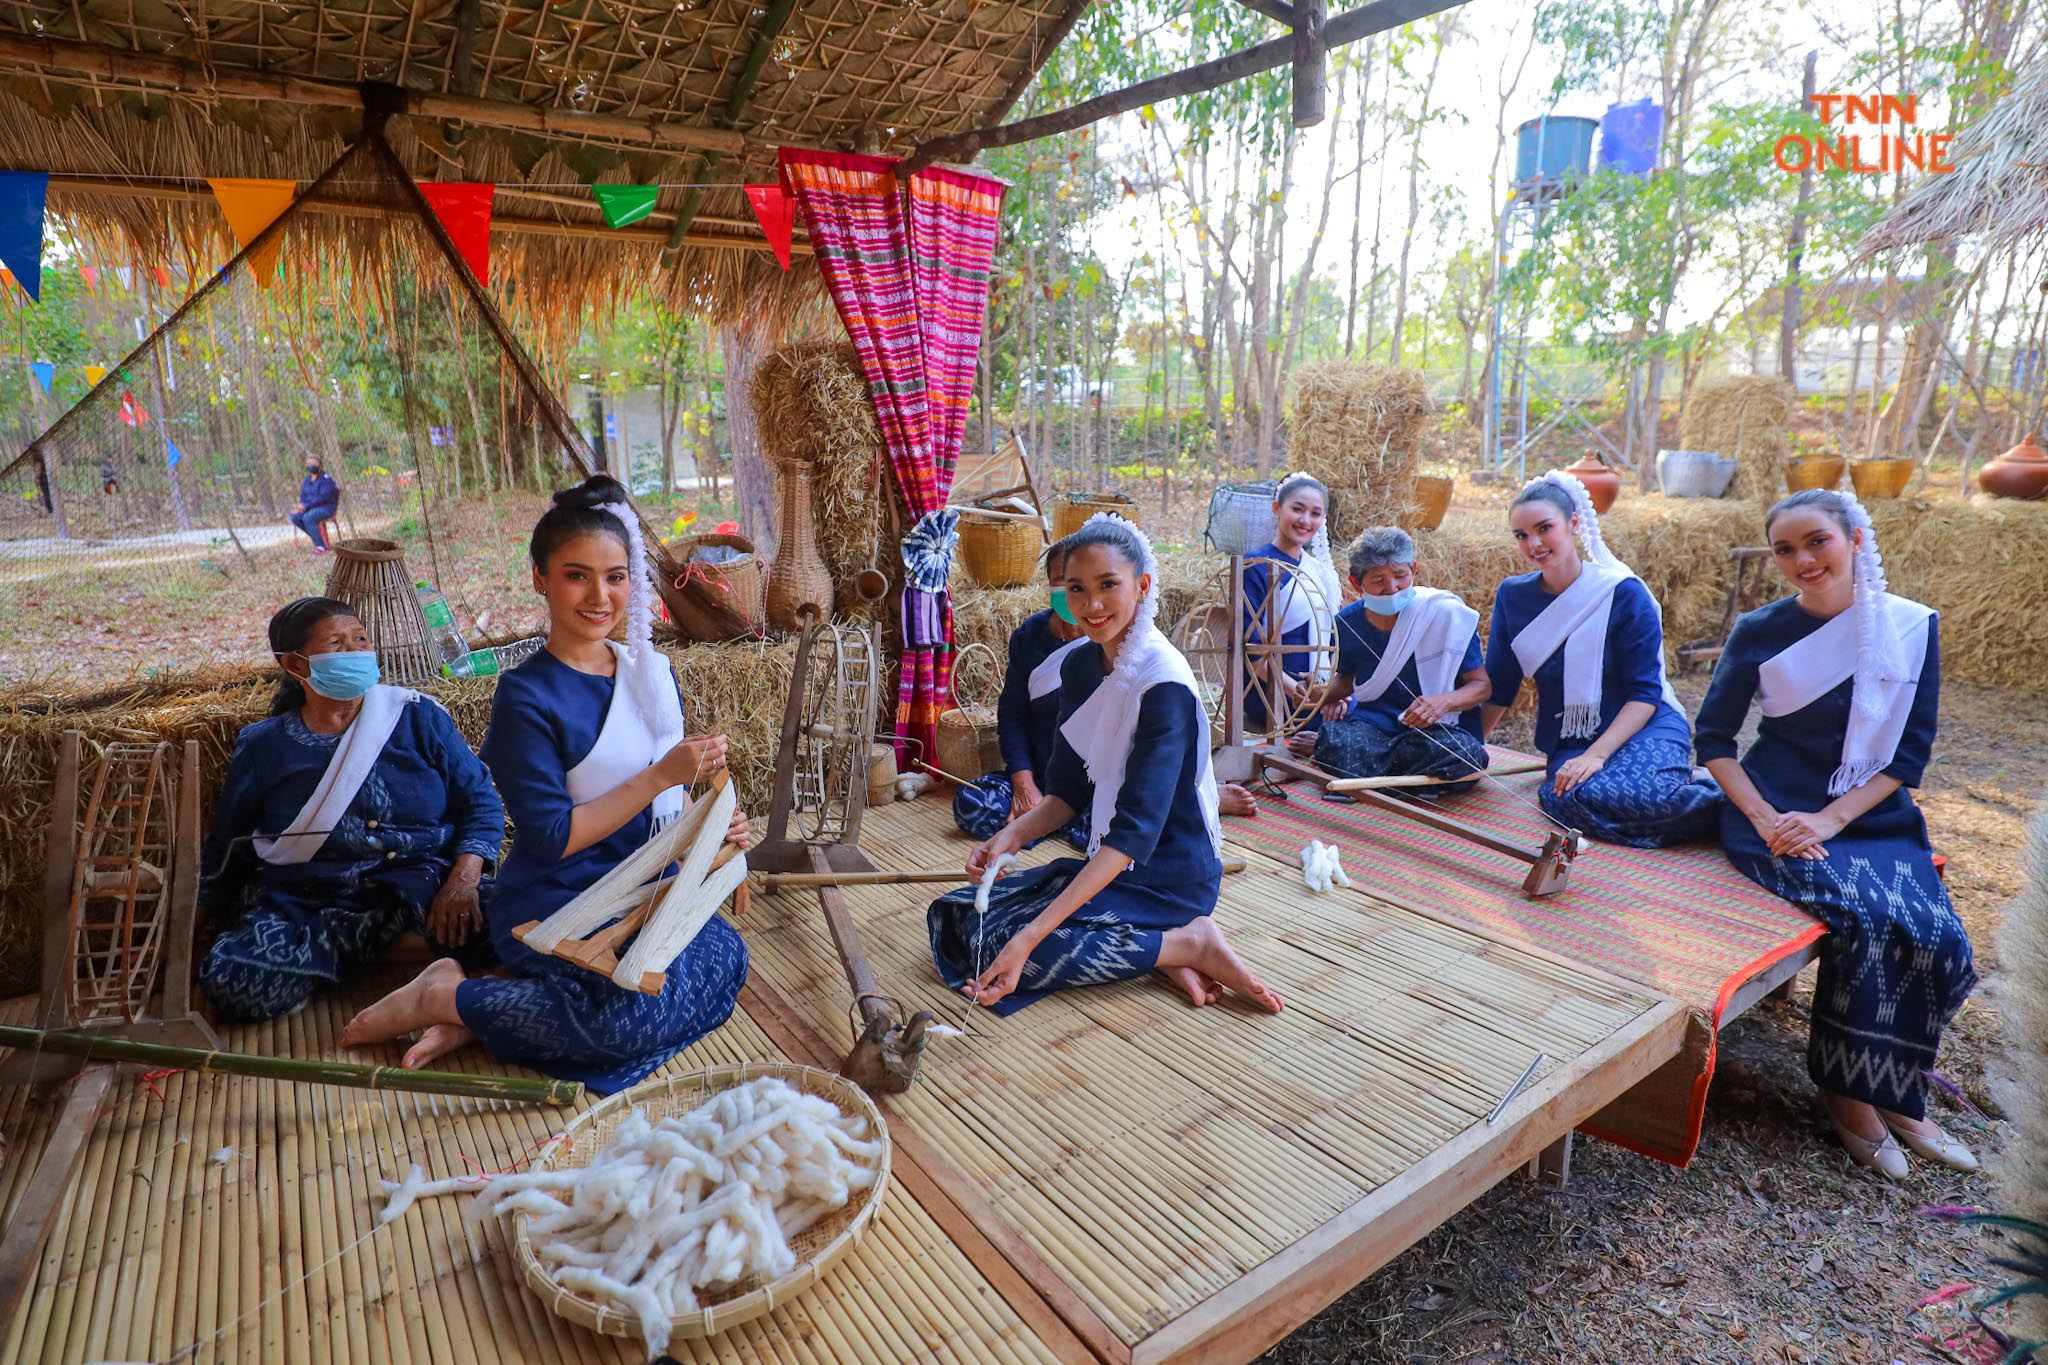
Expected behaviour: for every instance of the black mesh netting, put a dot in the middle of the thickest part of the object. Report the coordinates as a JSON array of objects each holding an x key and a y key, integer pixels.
[{"x": 149, "y": 527}]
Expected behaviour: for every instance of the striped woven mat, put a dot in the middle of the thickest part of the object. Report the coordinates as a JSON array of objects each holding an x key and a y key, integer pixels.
[{"x": 1680, "y": 921}]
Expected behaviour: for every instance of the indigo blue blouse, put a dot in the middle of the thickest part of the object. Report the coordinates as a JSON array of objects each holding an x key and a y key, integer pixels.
[
  {"x": 1026, "y": 725},
  {"x": 1360, "y": 646},
  {"x": 1632, "y": 667}
]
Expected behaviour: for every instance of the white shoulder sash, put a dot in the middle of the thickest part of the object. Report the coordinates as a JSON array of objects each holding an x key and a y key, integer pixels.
[
  {"x": 1802, "y": 673},
  {"x": 1101, "y": 729},
  {"x": 1434, "y": 632},
  {"x": 354, "y": 755},
  {"x": 1576, "y": 619},
  {"x": 1045, "y": 679},
  {"x": 643, "y": 722}
]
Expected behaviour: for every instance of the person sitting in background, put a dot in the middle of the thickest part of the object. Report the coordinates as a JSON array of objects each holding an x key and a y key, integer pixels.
[
  {"x": 354, "y": 814},
  {"x": 1405, "y": 697},
  {"x": 1303, "y": 619},
  {"x": 319, "y": 496}
]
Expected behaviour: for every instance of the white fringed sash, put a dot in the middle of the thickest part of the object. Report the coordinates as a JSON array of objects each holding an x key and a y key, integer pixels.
[
  {"x": 1433, "y": 631},
  {"x": 1577, "y": 619},
  {"x": 354, "y": 755},
  {"x": 1802, "y": 673}
]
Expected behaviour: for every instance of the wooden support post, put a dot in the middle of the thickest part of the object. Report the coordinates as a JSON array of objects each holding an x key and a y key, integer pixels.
[
  {"x": 184, "y": 897},
  {"x": 1553, "y": 1162},
  {"x": 1309, "y": 65},
  {"x": 60, "y": 851}
]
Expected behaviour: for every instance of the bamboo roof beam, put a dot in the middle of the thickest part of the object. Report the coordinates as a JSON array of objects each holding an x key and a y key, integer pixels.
[
  {"x": 1272, "y": 9},
  {"x": 62, "y": 184},
  {"x": 63, "y": 60},
  {"x": 1347, "y": 27},
  {"x": 1309, "y": 52}
]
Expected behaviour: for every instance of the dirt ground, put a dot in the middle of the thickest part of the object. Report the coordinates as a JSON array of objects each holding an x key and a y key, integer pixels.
[{"x": 1772, "y": 1246}]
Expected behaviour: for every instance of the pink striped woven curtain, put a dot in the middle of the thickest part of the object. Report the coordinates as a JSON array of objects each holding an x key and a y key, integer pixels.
[{"x": 909, "y": 277}]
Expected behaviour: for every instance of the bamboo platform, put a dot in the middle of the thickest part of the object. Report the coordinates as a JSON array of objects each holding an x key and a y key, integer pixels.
[{"x": 1109, "y": 1175}]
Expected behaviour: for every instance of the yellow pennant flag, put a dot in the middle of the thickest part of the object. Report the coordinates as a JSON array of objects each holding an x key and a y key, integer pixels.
[
  {"x": 251, "y": 206},
  {"x": 94, "y": 374}
]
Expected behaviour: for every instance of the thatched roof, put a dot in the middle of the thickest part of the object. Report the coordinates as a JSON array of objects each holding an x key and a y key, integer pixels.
[
  {"x": 1999, "y": 187},
  {"x": 134, "y": 103}
]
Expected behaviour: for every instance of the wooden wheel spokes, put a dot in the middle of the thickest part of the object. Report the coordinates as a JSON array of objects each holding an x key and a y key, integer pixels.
[
  {"x": 1204, "y": 636},
  {"x": 836, "y": 718},
  {"x": 120, "y": 881}
]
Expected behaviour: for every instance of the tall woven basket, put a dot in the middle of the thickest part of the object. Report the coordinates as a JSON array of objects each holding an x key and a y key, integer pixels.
[
  {"x": 1070, "y": 511},
  {"x": 800, "y": 582},
  {"x": 742, "y": 581},
  {"x": 370, "y": 575},
  {"x": 998, "y": 552}
]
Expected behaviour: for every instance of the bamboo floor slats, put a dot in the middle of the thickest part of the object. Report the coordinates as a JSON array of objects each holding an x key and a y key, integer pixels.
[
  {"x": 1106, "y": 1175},
  {"x": 271, "y": 1255},
  {"x": 1188, "y": 1173}
]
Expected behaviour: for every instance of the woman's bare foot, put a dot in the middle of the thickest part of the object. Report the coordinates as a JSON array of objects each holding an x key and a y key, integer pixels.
[
  {"x": 1232, "y": 799},
  {"x": 438, "y": 1041},
  {"x": 427, "y": 999},
  {"x": 1199, "y": 989},
  {"x": 1201, "y": 945}
]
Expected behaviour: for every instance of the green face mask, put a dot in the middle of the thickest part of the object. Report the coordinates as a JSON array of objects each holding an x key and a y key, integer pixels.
[{"x": 1060, "y": 607}]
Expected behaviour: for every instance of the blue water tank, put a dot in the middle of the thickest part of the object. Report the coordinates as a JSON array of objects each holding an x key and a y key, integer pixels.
[
  {"x": 1553, "y": 147},
  {"x": 1629, "y": 134}
]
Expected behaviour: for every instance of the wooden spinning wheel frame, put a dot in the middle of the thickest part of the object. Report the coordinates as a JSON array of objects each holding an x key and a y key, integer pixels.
[
  {"x": 837, "y": 673},
  {"x": 1232, "y": 667},
  {"x": 121, "y": 883}
]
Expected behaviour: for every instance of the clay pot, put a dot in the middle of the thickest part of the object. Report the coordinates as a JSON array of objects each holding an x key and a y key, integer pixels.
[
  {"x": 1884, "y": 476},
  {"x": 2021, "y": 472},
  {"x": 1814, "y": 471},
  {"x": 1432, "y": 494},
  {"x": 1603, "y": 485}
]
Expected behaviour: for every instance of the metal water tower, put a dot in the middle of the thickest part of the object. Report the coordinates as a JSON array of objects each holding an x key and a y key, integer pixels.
[{"x": 1552, "y": 153}]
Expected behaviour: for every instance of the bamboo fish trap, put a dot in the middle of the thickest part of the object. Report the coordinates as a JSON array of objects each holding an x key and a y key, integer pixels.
[{"x": 370, "y": 575}]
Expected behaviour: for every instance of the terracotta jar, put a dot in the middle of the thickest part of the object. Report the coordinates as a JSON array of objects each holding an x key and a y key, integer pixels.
[
  {"x": 1603, "y": 485},
  {"x": 2021, "y": 472}
]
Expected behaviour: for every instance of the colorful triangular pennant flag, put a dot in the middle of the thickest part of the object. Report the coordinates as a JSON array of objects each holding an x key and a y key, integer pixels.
[
  {"x": 91, "y": 275},
  {"x": 94, "y": 374},
  {"x": 775, "y": 209},
  {"x": 624, "y": 205},
  {"x": 45, "y": 373},
  {"x": 131, "y": 411},
  {"x": 161, "y": 276},
  {"x": 465, "y": 211},
  {"x": 22, "y": 194},
  {"x": 251, "y": 206},
  {"x": 172, "y": 455}
]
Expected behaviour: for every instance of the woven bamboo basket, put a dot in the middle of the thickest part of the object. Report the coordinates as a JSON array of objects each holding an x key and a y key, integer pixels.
[
  {"x": 1432, "y": 494},
  {"x": 1883, "y": 477},
  {"x": 743, "y": 580},
  {"x": 801, "y": 582},
  {"x": 370, "y": 575},
  {"x": 967, "y": 744},
  {"x": 998, "y": 552},
  {"x": 818, "y": 1249},
  {"x": 1070, "y": 511}
]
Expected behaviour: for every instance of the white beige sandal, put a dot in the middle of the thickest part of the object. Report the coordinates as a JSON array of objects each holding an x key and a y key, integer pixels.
[
  {"x": 1884, "y": 1157},
  {"x": 1937, "y": 1146}
]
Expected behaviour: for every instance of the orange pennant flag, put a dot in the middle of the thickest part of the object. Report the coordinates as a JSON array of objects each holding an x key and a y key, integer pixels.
[{"x": 251, "y": 206}]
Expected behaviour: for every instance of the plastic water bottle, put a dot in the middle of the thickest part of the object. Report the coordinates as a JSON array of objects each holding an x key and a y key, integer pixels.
[
  {"x": 484, "y": 663},
  {"x": 443, "y": 639}
]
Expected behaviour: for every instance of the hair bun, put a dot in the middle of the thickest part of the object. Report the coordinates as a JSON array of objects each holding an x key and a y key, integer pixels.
[{"x": 595, "y": 491}]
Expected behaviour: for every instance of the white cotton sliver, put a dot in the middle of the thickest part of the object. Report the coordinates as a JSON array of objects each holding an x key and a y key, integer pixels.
[{"x": 404, "y": 1193}]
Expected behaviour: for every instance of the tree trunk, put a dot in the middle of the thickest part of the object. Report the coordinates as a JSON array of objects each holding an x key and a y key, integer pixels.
[
  {"x": 753, "y": 482},
  {"x": 1788, "y": 321},
  {"x": 1414, "y": 194},
  {"x": 1357, "y": 196}
]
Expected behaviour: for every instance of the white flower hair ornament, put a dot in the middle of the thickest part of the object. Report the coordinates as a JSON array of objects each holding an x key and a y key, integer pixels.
[{"x": 640, "y": 593}]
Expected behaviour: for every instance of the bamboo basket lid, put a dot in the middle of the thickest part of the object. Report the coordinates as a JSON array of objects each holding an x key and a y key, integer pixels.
[{"x": 818, "y": 1249}]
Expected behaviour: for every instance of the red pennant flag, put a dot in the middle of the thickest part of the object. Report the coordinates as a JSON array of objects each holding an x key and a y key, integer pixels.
[
  {"x": 161, "y": 276},
  {"x": 465, "y": 210},
  {"x": 91, "y": 275},
  {"x": 775, "y": 209},
  {"x": 131, "y": 411}
]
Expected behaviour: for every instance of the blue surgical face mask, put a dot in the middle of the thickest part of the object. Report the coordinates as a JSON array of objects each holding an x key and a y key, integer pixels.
[
  {"x": 1060, "y": 607},
  {"x": 342, "y": 676},
  {"x": 1389, "y": 606}
]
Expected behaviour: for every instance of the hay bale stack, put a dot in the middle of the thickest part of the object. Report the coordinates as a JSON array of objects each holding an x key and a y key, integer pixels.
[
  {"x": 1359, "y": 428},
  {"x": 812, "y": 405},
  {"x": 1983, "y": 565},
  {"x": 2022, "y": 1078},
  {"x": 1748, "y": 418}
]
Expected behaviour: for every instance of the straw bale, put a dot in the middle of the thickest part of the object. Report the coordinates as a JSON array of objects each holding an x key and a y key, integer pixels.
[
  {"x": 811, "y": 402},
  {"x": 1982, "y": 564},
  {"x": 1359, "y": 428},
  {"x": 1748, "y": 418},
  {"x": 2022, "y": 1074}
]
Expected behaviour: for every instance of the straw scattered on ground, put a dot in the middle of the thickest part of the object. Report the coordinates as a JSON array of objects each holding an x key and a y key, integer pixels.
[
  {"x": 1748, "y": 418},
  {"x": 1359, "y": 428}
]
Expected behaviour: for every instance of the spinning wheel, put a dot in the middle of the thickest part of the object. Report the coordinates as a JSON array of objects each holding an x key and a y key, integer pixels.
[
  {"x": 835, "y": 678},
  {"x": 1238, "y": 671}
]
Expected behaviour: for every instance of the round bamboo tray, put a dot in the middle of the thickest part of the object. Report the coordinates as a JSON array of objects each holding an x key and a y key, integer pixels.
[
  {"x": 998, "y": 552},
  {"x": 1070, "y": 511},
  {"x": 1814, "y": 471},
  {"x": 818, "y": 1249},
  {"x": 1883, "y": 477},
  {"x": 743, "y": 579},
  {"x": 1432, "y": 493}
]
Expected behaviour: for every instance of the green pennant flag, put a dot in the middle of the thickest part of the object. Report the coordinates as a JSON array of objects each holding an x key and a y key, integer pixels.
[{"x": 625, "y": 204}]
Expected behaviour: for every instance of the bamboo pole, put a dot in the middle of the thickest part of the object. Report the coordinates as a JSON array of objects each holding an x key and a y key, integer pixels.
[
  {"x": 356, "y": 1074},
  {"x": 1373, "y": 784}
]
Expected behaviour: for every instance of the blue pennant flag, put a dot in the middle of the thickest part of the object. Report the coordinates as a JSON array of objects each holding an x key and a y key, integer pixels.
[
  {"x": 172, "y": 455},
  {"x": 22, "y": 194},
  {"x": 45, "y": 372}
]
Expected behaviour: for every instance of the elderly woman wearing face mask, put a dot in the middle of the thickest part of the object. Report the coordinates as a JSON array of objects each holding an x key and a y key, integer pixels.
[
  {"x": 1405, "y": 697},
  {"x": 355, "y": 813}
]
